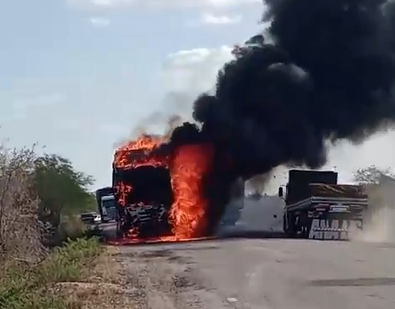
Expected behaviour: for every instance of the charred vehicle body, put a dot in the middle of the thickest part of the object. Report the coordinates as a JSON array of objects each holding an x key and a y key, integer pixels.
[
  {"x": 317, "y": 207},
  {"x": 144, "y": 198}
]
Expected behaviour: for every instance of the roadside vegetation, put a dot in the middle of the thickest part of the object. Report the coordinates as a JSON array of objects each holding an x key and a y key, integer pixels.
[
  {"x": 36, "y": 285},
  {"x": 43, "y": 244}
]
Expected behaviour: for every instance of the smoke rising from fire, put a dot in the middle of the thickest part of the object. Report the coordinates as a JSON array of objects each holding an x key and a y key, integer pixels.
[{"x": 328, "y": 75}]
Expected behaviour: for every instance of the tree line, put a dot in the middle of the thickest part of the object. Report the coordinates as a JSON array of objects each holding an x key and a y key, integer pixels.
[
  {"x": 37, "y": 191},
  {"x": 372, "y": 174},
  {"x": 60, "y": 188}
]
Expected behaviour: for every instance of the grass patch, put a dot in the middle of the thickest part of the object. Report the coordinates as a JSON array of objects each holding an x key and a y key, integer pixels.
[{"x": 25, "y": 286}]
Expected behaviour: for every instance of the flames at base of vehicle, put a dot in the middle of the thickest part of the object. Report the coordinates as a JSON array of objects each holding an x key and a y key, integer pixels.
[
  {"x": 144, "y": 221},
  {"x": 163, "y": 195}
]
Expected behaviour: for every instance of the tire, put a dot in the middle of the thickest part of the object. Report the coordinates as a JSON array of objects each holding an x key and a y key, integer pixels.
[
  {"x": 290, "y": 228},
  {"x": 285, "y": 228}
]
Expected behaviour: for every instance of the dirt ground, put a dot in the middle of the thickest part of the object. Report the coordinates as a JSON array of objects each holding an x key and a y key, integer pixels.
[{"x": 105, "y": 287}]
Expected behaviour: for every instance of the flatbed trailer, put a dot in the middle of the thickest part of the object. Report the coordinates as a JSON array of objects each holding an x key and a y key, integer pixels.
[{"x": 322, "y": 210}]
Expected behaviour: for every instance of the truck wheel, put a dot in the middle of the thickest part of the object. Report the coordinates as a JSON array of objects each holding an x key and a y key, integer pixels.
[
  {"x": 291, "y": 226},
  {"x": 285, "y": 228}
]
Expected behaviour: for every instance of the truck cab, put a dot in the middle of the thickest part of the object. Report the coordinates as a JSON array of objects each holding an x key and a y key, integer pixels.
[{"x": 106, "y": 204}]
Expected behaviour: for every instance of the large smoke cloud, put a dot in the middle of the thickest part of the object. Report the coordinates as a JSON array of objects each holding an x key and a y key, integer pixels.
[{"x": 328, "y": 74}]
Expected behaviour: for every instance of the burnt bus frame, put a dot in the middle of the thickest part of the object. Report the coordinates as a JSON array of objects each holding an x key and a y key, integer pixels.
[
  {"x": 237, "y": 192},
  {"x": 125, "y": 220}
]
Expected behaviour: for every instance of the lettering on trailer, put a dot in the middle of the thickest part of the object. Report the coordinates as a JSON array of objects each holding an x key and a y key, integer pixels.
[
  {"x": 338, "y": 208},
  {"x": 333, "y": 229}
]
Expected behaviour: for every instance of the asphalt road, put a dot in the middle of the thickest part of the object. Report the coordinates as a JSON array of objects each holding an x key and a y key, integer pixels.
[{"x": 261, "y": 273}]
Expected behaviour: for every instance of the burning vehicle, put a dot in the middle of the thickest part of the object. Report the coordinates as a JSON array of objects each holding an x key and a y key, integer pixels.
[{"x": 167, "y": 193}]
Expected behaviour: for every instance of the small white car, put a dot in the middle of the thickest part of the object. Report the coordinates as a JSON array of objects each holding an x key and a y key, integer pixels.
[
  {"x": 97, "y": 218},
  {"x": 90, "y": 217}
]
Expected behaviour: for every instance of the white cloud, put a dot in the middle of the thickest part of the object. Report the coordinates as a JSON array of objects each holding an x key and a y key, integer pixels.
[
  {"x": 216, "y": 19},
  {"x": 347, "y": 158},
  {"x": 117, "y": 4},
  {"x": 185, "y": 74},
  {"x": 194, "y": 70},
  {"x": 205, "y": 3},
  {"x": 99, "y": 21},
  {"x": 111, "y": 3}
]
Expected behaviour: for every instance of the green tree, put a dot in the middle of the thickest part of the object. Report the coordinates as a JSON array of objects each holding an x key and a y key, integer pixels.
[
  {"x": 61, "y": 189},
  {"x": 371, "y": 174}
]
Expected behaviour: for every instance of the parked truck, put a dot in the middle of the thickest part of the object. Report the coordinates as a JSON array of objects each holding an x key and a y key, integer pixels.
[
  {"x": 106, "y": 204},
  {"x": 317, "y": 207}
]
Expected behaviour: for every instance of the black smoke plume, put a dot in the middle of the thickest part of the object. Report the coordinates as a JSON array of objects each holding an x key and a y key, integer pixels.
[{"x": 328, "y": 74}]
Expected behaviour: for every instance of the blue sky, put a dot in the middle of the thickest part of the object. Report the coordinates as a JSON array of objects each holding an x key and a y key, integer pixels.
[{"x": 78, "y": 76}]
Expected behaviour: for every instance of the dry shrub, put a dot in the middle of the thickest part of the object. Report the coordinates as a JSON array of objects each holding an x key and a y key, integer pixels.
[{"x": 20, "y": 231}]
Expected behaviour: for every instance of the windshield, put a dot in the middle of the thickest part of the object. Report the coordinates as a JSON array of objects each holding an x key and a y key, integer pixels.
[
  {"x": 151, "y": 185},
  {"x": 109, "y": 203}
]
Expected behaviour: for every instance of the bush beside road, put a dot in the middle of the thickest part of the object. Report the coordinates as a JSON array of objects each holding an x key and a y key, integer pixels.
[
  {"x": 33, "y": 286},
  {"x": 49, "y": 259}
]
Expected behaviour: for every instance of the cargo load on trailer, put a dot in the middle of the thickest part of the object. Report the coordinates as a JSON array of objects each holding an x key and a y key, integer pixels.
[{"x": 317, "y": 207}]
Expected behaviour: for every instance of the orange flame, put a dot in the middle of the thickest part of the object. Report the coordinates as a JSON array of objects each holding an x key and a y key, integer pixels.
[
  {"x": 187, "y": 165},
  {"x": 187, "y": 214},
  {"x": 144, "y": 144}
]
